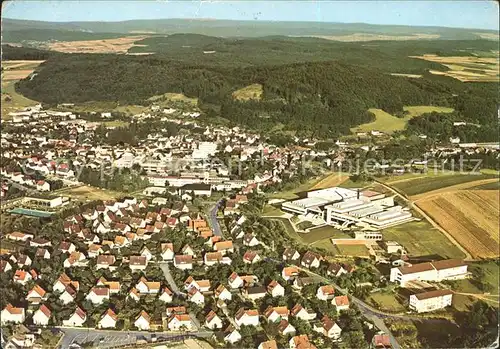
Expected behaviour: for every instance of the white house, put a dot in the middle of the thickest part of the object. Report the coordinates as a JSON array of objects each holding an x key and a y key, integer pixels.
[
  {"x": 167, "y": 251},
  {"x": 286, "y": 329},
  {"x": 145, "y": 252},
  {"x": 195, "y": 296},
  {"x": 98, "y": 295},
  {"x": 108, "y": 320},
  {"x": 166, "y": 295},
  {"x": 213, "y": 321},
  {"x": 36, "y": 295},
  {"x": 142, "y": 321},
  {"x": 246, "y": 317},
  {"x": 302, "y": 313},
  {"x": 328, "y": 328},
  {"x": 276, "y": 314},
  {"x": 202, "y": 285},
  {"x": 450, "y": 269},
  {"x": 138, "y": 263},
  {"x": 178, "y": 321},
  {"x": 183, "y": 262},
  {"x": 77, "y": 319},
  {"x": 289, "y": 273},
  {"x": 325, "y": 293},
  {"x": 310, "y": 260},
  {"x": 222, "y": 293},
  {"x": 275, "y": 289},
  {"x": 41, "y": 317},
  {"x": 12, "y": 314},
  {"x": 147, "y": 287},
  {"x": 430, "y": 301},
  {"x": 231, "y": 335}
]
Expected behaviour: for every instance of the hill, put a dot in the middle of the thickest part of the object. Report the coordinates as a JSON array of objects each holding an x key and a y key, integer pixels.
[{"x": 231, "y": 28}]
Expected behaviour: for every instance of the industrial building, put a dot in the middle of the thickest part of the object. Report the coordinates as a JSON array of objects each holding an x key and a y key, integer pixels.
[{"x": 449, "y": 269}]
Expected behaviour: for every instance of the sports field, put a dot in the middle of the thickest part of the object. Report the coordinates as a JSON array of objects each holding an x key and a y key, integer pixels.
[
  {"x": 88, "y": 193},
  {"x": 470, "y": 216}
]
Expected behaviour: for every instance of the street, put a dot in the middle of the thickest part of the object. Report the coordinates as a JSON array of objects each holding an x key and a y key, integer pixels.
[{"x": 212, "y": 217}]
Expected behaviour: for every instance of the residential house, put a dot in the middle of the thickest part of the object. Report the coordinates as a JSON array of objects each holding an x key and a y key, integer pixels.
[
  {"x": 98, "y": 295},
  {"x": 301, "y": 342},
  {"x": 67, "y": 247},
  {"x": 286, "y": 329},
  {"x": 22, "y": 277},
  {"x": 341, "y": 303},
  {"x": 291, "y": 255},
  {"x": 289, "y": 273},
  {"x": 134, "y": 295},
  {"x": 68, "y": 296},
  {"x": 36, "y": 295},
  {"x": 222, "y": 293},
  {"x": 251, "y": 257},
  {"x": 42, "y": 316},
  {"x": 77, "y": 319},
  {"x": 144, "y": 286},
  {"x": 145, "y": 252},
  {"x": 167, "y": 251},
  {"x": 108, "y": 320},
  {"x": 231, "y": 335},
  {"x": 254, "y": 293},
  {"x": 302, "y": 313},
  {"x": 5, "y": 266},
  {"x": 105, "y": 261},
  {"x": 63, "y": 281},
  {"x": 114, "y": 286},
  {"x": 328, "y": 328},
  {"x": 138, "y": 263},
  {"x": 311, "y": 260},
  {"x": 11, "y": 314},
  {"x": 325, "y": 293},
  {"x": 183, "y": 262},
  {"x": 195, "y": 296},
  {"x": 187, "y": 250},
  {"x": 166, "y": 295},
  {"x": 42, "y": 253},
  {"x": 276, "y": 314},
  {"x": 275, "y": 289},
  {"x": 268, "y": 345},
  {"x": 335, "y": 269},
  {"x": 202, "y": 285},
  {"x": 75, "y": 259},
  {"x": 213, "y": 321},
  {"x": 224, "y": 247},
  {"x": 247, "y": 317},
  {"x": 142, "y": 321},
  {"x": 381, "y": 341},
  {"x": 178, "y": 321},
  {"x": 250, "y": 240}
]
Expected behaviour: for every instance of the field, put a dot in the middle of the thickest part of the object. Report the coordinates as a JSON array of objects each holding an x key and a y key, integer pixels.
[
  {"x": 118, "y": 45},
  {"x": 466, "y": 68},
  {"x": 389, "y": 123},
  {"x": 415, "y": 76},
  {"x": 351, "y": 250},
  {"x": 175, "y": 98},
  {"x": 421, "y": 239},
  {"x": 471, "y": 217},
  {"x": 88, "y": 193},
  {"x": 358, "y": 37},
  {"x": 427, "y": 184},
  {"x": 250, "y": 92},
  {"x": 385, "y": 302},
  {"x": 333, "y": 180},
  {"x": 115, "y": 123}
]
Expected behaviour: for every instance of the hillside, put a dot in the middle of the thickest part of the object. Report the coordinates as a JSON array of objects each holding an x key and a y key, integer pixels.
[{"x": 231, "y": 28}]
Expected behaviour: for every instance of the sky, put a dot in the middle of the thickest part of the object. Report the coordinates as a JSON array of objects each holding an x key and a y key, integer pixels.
[{"x": 481, "y": 14}]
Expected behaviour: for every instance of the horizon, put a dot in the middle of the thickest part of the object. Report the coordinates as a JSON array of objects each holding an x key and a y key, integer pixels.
[{"x": 479, "y": 15}]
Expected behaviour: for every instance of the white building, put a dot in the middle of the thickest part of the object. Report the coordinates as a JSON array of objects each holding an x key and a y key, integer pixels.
[
  {"x": 77, "y": 319},
  {"x": 450, "y": 269},
  {"x": 247, "y": 317},
  {"x": 41, "y": 317},
  {"x": 108, "y": 320},
  {"x": 430, "y": 301},
  {"x": 12, "y": 314}
]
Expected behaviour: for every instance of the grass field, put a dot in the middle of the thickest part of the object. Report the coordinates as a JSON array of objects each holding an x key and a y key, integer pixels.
[
  {"x": 175, "y": 97},
  {"x": 421, "y": 239},
  {"x": 487, "y": 186},
  {"x": 389, "y": 123},
  {"x": 321, "y": 233},
  {"x": 352, "y": 250},
  {"x": 115, "y": 123},
  {"x": 117, "y": 45},
  {"x": 490, "y": 276},
  {"x": 385, "y": 302},
  {"x": 250, "y": 92},
  {"x": 291, "y": 194},
  {"x": 270, "y": 210},
  {"x": 85, "y": 193},
  {"x": 471, "y": 217},
  {"x": 333, "y": 180},
  {"x": 429, "y": 183}
]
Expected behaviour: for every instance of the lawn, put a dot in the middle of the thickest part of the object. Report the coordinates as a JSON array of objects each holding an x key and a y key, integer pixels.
[
  {"x": 389, "y": 123},
  {"x": 487, "y": 186},
  {"x": 490, "y": 272},
  {"x": 322, "y": 233},
  {"x": 88, "y": 193},
  {"x": 385, "y": 302},
  {"x": 291, "y": 194},
  {"x": 270, "y": 210},
  {"x": 429, "y": 183},
  {"x": 115, "y": 123},
  {"x": 420, "y": 239},
  {"x": 249, "y": 92},
  {"x": 352, "y": 250}
]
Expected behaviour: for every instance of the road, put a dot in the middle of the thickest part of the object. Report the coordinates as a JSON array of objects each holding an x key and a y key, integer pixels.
[
  {"x": 212, "y": 219},
  {"x": 110, "y": 339},
  {"x": 173, "y": 287},
  {"x": 411, "y": 204}
]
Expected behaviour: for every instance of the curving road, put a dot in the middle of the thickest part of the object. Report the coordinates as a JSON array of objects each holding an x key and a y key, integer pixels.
[{"x": 212, "y": 219}]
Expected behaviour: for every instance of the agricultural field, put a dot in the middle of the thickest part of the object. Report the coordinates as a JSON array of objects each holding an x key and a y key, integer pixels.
[
  {"x": 250, "y": 92},
  {"x": 427, "y": 184},
  {"x": 117, "y": 45},
  {"x": 115, "y": 123},
  {"x": 422, "y": 239},
  {"x": 466, "y": 68},
  {"x": 175, "y": 98},
  {"x": 333, "y": 180},
  {"x": 389, "y": 123},
  {"x": 470, "y": 216}
]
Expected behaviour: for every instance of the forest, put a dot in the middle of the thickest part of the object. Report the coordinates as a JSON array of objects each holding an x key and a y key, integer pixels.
[{"x": 310, "y": 86}]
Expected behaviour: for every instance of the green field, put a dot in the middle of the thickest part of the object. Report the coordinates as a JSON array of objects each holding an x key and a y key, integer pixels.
[
  {"x": 429, "y": 183},
  {"x": 389, "y": 123},
  {"x": 385, "y": 302},
  {"x": 325, "y": 232},
  {"x": 490, "y": 272},
  {"x": 421, "y": 239},
  {"x": 250, "y": 92},
  {"x": 270, "y": 210},
  {"x": 17, "y": 101},
  {"x": 487, "y": 186},
  {"x": 351, "y": 250},
  {"x": 291, "y": 193},
  {"x": 115, "y": 123}
]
